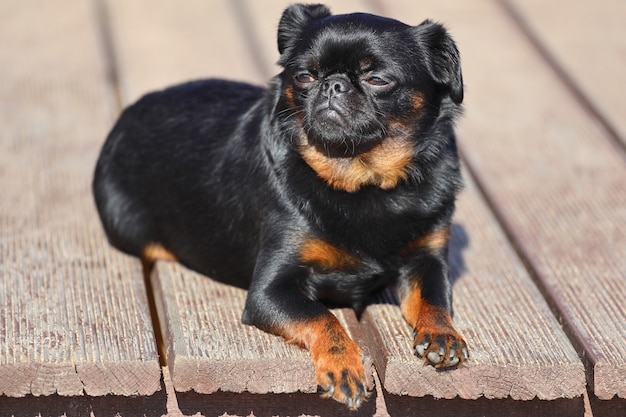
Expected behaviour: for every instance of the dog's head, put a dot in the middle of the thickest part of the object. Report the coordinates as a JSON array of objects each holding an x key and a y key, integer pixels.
[{"x": 361, "y": 87}]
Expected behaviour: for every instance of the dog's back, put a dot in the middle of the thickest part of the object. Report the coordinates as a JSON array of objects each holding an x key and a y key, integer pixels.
[{"x": 143, "y": 174}]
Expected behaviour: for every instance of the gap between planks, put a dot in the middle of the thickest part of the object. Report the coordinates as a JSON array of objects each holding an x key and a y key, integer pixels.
[{"x": 563, "y": 74}]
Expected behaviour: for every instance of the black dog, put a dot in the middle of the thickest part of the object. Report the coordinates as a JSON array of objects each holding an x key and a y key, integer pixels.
[{"x": 337, "y": 180}]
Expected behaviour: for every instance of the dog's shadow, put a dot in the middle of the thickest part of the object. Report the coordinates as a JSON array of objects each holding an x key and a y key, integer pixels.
[{"x": 459, "y": 241}]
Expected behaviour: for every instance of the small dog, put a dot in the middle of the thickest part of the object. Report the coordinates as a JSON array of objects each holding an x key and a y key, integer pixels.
[{"x": 337, "y": 180}]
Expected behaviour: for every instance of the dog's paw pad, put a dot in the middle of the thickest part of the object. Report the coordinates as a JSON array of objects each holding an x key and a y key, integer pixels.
[{"x": 441, "y": 348}]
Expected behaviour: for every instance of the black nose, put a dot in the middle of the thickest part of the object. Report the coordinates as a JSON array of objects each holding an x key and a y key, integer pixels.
[{"x": 335, "y": 86}]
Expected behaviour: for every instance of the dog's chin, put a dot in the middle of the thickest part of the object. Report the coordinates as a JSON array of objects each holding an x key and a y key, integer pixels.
[{"x": 336, "y": 137}]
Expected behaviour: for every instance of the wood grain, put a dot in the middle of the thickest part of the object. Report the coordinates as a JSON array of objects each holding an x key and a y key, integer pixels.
[
  {"x": 554, "y": 178},
  {"x": 517, "y": 348},
  {"x": 207, "y": 346},
  {"x": 209, "y": 350},
  {"x": 160, "y": 44},
  {"x": 586, "y": 41},
  {"x": 74, "y": 316},
  {"x": 177, "y": 315},
  {"x": 497, "y": 305}
]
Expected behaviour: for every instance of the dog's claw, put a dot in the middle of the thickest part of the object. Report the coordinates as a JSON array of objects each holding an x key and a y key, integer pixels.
[
  {"x": 420, "y": 349},
  {"x": 351, "y": 390},
  {"x": 331, "y": 389},
  {"x": 433, "y": 357},
  {"x": 342, "y": 377}
]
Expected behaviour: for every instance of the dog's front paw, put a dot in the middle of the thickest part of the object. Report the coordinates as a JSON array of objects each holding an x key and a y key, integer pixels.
[
  {"x": 440, "y": 346},
  {"x": 339, "y": 372}
]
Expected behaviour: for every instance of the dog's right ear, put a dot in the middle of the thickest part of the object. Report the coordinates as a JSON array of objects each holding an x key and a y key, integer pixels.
[{"x": 293, "y": 20}]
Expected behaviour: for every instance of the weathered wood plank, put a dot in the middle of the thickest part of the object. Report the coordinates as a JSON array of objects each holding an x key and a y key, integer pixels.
[
  {"x": 188, "y": 363},
  {"x": 286, "y": 404},
  {"x": 587, "y": 43},
  {"x": 517, "y": 347},
  {"x": 74, "y": 316},
  {"x": 209, "y": 349},
  {"x": 160, "y": 44},
  {"x": 555, "y": 180},
  {"x": 497, "y": 305}
]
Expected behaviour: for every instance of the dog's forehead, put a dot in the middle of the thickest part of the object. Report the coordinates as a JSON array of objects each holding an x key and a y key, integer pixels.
[
  {"x": 356, "y": 39},
  {"x": 361, "y": 21}
]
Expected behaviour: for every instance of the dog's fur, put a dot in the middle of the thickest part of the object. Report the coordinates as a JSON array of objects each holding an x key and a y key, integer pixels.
[{"x": 338, "y": 179}]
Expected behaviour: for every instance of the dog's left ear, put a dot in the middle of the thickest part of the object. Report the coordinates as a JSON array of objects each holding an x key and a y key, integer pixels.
[
  {"x": 294, "y": 19},
  {"x": 442, "y": 57}
]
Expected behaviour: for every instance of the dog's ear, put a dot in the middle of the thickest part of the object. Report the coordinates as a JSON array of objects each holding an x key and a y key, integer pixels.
[
  {"x": 442, "y": 57},
  {"x": 294, "y": 19}
]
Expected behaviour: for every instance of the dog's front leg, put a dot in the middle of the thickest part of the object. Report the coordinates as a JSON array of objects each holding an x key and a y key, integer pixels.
[
  {"x": 426, "y": 301},
  {"x": 277, "y": 304}
]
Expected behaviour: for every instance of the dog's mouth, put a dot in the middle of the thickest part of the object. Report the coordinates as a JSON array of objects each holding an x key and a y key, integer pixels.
[
  {"x": 331, "y": 116},
  {"x": 345, "y": 149},
  {"x": 338, "y": 134}
]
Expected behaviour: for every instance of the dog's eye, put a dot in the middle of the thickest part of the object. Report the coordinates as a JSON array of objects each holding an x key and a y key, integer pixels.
[
  {"x": 304, "y": 78},
  {"x": 376, "y": 81}
]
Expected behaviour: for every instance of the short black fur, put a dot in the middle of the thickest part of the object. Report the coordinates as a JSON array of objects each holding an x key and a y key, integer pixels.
[{"x": 235, "y": 180}]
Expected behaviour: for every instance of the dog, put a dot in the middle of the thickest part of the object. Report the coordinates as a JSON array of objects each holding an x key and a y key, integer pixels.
[{"x": 337, "y": 180}]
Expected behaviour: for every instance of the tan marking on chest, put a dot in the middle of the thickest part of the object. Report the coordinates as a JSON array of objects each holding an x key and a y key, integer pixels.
[
  {"x": 432, "y": 241},
  {"x": 323, "y": 255},
  {"x": 384, "y": 166}
]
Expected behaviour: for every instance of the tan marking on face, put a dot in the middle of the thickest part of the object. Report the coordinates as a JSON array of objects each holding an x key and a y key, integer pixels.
[
  {"x": 288, "y": 91},
  {"x": 418, "y": 101},
  {"x": 365, "y": 63}
]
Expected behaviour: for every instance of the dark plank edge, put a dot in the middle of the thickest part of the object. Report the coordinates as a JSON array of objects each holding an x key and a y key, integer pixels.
[
  {"x": 83, "y": 406},
  {"x": 402, "y": 406}
]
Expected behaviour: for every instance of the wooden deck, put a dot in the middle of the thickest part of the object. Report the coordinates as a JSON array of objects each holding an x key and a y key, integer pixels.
[{"x": 538, "y": 244}]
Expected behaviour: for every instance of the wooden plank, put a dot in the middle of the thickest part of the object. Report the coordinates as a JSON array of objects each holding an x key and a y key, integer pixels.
[
  {"x": 555, "y": 180},
  {"x": 209, "y": 350},
  {"x": 482, "y": 407},
  {"x": 74, "y": 316},
  {"x": 586, "y": 41},
  {"x": 499, "y": 310},
  {"x": 286, "y": 404},
  {"x": 524, "y": 374},
  {"x": 164, "y": 43},
  {"x": 185, "y": 373}
]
